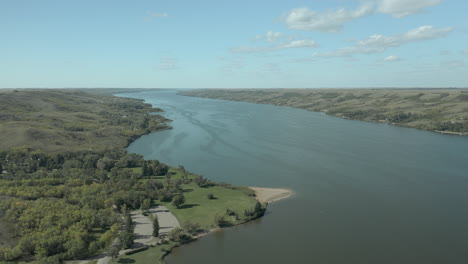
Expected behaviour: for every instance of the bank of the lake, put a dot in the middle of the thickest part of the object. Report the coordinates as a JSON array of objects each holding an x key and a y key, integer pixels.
[{"x": 269, "y": 195}]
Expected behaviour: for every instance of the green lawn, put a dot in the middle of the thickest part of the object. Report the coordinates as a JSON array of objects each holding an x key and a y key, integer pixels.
[
  {"x": 152, "y": 255},
  {"x": 199, "y": 209}
]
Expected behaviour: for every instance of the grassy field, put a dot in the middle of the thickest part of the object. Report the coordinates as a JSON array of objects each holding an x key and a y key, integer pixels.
[
  {"x": 72, "y": 120},
  {"x": 443, "y": 110},
  {"x": 201, "y": 210}
]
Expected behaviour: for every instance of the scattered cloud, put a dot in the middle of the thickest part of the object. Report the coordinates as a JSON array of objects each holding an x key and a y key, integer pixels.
[
  {"x": 231, "y": 64},
  {"x": 380, "y": 43},
  {"x": 402, "y": 8},
  {"x": 299, "y": 44},
  {"x": 293, "y": 44},
  {"x": 445, "y": 52},
  {"x": 453, "y": 64},
  {"x": 392, "y": 58},
  {"x": 465, "y": 52},
  {"x": 153, "y": 15},
  {"x": 168, "y": 64},
  {"x": 303, "y": 60},
  {"x": 270, "y": 36},
  {"x": 328, "y": 21},
  {"x": 333, "y": 20},
  {"x": 272, "y": 68}
]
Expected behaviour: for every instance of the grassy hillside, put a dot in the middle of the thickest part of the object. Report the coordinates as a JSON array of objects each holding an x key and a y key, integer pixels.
[
  {"x": 70, "y": 120},
  {"x": 443, "y": 110}
]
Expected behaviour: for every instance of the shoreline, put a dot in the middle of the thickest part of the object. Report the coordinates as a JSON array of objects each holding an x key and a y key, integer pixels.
[
  {"x": 269, "y": 195},
  {"x": 263, "y": 195}
]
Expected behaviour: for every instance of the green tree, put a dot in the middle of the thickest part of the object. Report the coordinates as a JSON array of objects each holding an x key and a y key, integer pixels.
[
  {"x": 128, "y": 236},
  {"x": 191, "y": 228},
  {"x": 114, "y": 249},
  {"x": 179, "y": 200},
  {"x": 155, "y": 227},
  {"x": 221, "y": 221},
  {"x": 145, "y": 206},
  {"x": 144, "y": 170},
  {"x": 105, "y": 164}
]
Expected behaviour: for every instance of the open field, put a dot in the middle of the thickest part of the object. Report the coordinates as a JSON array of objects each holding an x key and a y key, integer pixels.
[
  {"x": 201, "y": 210},
  {"x": 441, "y": 110}
]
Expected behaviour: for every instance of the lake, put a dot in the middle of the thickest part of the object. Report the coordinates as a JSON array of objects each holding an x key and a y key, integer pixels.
[{"x": 364, "y": 192}]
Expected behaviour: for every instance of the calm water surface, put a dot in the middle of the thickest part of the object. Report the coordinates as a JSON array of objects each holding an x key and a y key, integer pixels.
[{"x": 365, "y": 192}]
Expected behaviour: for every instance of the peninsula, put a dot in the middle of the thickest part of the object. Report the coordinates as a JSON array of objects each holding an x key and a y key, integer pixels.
[{"x": 69, "y": 190}]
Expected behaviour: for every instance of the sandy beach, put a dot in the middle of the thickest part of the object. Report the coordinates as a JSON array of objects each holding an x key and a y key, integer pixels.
[{"x": 268, "y": 195}]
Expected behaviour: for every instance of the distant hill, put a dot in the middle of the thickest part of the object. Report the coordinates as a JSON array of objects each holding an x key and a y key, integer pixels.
[
  {"x": 441, "y": 110},
  {"x": 71, "y": 120}
]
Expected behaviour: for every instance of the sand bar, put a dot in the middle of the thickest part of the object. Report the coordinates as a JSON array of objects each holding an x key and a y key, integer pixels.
[{"x": 268, "y": 195}]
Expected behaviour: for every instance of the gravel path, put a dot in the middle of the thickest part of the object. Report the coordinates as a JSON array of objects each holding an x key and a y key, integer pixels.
[
  {"x": 144, "y": 228},
  {"x": 144, "y": 225}
]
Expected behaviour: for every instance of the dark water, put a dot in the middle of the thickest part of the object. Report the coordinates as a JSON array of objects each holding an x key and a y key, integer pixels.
[{"x": 365, "y": 193}]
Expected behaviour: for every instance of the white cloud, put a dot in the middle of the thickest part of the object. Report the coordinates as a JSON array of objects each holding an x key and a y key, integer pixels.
[
  {"x": 380, "y": 43},
  {"x": 329, "y": 21},
  {"x": 272, "y": 68},
  {"x": 333, "y": 20},
  {"x": 168, "y": 64},
  {"x": 153, "y": 14},
  {"x": 230, "y": 64},
  {"x": 402, "y": 8},
  {"x": 299, "y": 44},
  {"x": 392, "y": 58},
  {"x": 294, "y": 44},
  {"x": 465, "y": 52},
  {"x": 453, "y": 64},
  {"x": 270, "y": 36}
]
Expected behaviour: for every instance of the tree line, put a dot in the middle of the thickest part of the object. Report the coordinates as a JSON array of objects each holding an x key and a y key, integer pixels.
[{"x": 70, "y": 205}]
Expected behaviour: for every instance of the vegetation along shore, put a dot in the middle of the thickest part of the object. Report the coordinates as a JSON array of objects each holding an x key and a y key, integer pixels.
[
  {"x": 438, "y": 110},
  {"x": 69, "y": 191}
]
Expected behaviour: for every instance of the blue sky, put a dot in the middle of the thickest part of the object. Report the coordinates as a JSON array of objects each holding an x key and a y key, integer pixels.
[{"x": 233, "y": 44}]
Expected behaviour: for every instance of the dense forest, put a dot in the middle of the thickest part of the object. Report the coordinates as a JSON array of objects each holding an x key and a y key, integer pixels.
[
  {"x": 70, "y": 205},
  {"x": 65, "y": 178}
]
